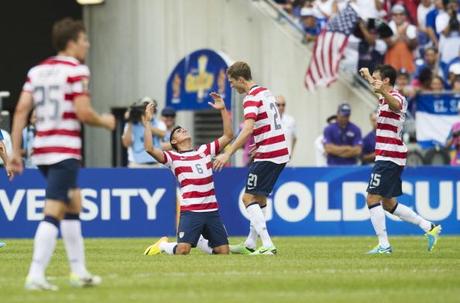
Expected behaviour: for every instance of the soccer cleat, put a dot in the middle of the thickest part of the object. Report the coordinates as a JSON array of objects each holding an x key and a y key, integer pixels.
[
  {"x": 380, "y": 250},
  {"x": 39, "y": 284},
  {"x": 432, "y": 236},
  {"x": 241, "y": 249},
  {"x": 2, "y": 244},
  {"x": 271, "y": 251},
  {"x": 154, "y": 249},
  {"x": 86, "y": 281}
]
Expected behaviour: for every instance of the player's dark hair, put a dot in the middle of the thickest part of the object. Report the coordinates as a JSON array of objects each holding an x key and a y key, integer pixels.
[
  {"x": 174, "y": 146},
  {"x": 387, "y": 71},
  {"x": 239, "y": 69},
  {"x": 66, "y": 30}
]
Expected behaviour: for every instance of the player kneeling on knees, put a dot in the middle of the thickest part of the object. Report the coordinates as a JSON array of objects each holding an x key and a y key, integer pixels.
[{"x": 200, "y": 223}]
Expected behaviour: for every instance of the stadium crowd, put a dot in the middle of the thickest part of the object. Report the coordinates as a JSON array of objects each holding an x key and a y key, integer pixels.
[{"x": 420, "y": 38}]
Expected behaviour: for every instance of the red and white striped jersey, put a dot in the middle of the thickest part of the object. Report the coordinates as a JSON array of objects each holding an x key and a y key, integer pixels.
[
  {"x": 269, "y": 135},
  {"x": 389, "y": 145},
  {"x": 54, "y": 84},
  {"x": 193, "y": 170}
]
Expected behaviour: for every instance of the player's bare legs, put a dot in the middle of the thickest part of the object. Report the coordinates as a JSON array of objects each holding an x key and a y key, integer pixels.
[{"x": 377, "y": 214}]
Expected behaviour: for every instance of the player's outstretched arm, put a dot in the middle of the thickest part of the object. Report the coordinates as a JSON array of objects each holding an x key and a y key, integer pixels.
[
  {"x": 148, "y": 141},
  {"x": 244, "y": 135},
  {"x": 21, "y": 114},
  {"x": 86, "y": 114},
  {"x": 219, "y": 104}
]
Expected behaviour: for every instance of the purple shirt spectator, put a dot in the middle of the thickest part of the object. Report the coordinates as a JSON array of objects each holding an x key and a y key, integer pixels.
[{"x": 350, "y": 135}]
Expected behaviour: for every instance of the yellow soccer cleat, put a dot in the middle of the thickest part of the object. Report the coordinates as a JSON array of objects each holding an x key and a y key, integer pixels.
[{"x": 154, "y": 249}]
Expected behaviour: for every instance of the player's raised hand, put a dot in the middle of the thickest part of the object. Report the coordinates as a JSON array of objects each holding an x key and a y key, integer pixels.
[
  {"x": 220, "y": 161},
  {"x": 364, "y": 72},
  {"x": 219, "y": 103}
]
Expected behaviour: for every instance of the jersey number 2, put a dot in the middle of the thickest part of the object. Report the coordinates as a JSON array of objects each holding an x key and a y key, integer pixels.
[{"x": 276, "y": 116}]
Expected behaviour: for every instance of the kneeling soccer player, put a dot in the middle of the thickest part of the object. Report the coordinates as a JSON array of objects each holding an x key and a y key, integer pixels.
[{"x": 193, "y": 170}]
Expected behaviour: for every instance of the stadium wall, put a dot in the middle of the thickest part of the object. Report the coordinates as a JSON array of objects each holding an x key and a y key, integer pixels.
[
  {"x": 305, "y": 202},
  {"x": 135, "y": 44}
]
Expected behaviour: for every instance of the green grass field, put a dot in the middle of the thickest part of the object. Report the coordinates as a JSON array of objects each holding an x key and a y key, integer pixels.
[{"x": 305, "y": 270}]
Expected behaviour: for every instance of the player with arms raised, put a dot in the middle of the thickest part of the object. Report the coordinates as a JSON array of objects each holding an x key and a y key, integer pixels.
[
  {"x": 58, "y": 89},
  {"x": 193, "y": 170},
  {"x": 390, "y": 158},
  {"x": 263, "y": 121}
]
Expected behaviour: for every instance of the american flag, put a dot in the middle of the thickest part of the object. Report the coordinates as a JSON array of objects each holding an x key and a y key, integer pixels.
[{"x": 329, "y": 49}]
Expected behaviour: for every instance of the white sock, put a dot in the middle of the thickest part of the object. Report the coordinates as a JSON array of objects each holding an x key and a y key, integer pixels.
[
  {"x": 73, "y": 241},
  {"x": 408, "y": 215},
  {"x": 203, "y": 244},
  {"x": 168, "y": 247},
  {"x": 44, "y": 244},
  {"x": 256, "y": 216},
  {"x": 251, "y": 240},
  {"x": 378, "y": 222}
]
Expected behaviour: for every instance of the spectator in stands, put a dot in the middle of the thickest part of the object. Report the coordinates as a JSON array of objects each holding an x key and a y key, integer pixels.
[
  {"x": 437, "y": 84},
  {"x": 325, "y": 9},
  {"x": 368, "y": 153},
  {"x": 453, "y": 140},
  {"x": 431, "y": 22},
  {"x": 342, "y": 139},
  {"x": 424, "y": 38},
  {"x": 309, "y": 24},
  {"x": 430, "y": 60},
  {"x": 403, "y": 84},
  {"x": 133, "y": 135},
  {"x": 168, "y": 116},
  {"x": 288, "y": 124},
  {"x": 320, "y": 154},
  {"x": 423, "y": 80},
  {"x": 369, "y": 9},
  {"x": 403, "y": 42},
  {"x": 454, "y": 70},
  {"x": 371, "y": 49},
  {"x": 449, "y": 41},
  {"x": 456, "y": 85},
  {"x": 28, "y": 135}
]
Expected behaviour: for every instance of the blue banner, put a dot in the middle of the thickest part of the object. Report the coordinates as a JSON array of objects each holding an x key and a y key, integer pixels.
[
  {"x": 332, "y": 201},
  {"x": 194, "y": 77},
  {"x": 436, "y": 113},
  {"x": 438, "y": 104},
  {"x": 305, "y": 201},
  {"x": 116, "y": 203}
]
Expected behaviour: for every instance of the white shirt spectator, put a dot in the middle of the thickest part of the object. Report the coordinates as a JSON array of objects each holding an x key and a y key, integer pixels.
[
  {"x": 422, "y": 11},
  {"x": 320, "y": 154},
  {"x": 449, "y": 46},
  {"x": 442, "y": 21},
  {"x": 290, "y": 130},
  {"x": 368, "y": 10},
  {"x": 8, "y": 145}
]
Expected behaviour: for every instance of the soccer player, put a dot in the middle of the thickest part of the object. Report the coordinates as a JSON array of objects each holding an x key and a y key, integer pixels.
[
  {"x": 390, "y": 158},
  {"x": 58, "y": 90},
  {"x": 262, "y": 120},
  {"x": 193, "y": 170}
]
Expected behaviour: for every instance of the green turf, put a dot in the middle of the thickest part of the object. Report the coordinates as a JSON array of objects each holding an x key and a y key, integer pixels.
[{"x": 306, "y": 270}]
